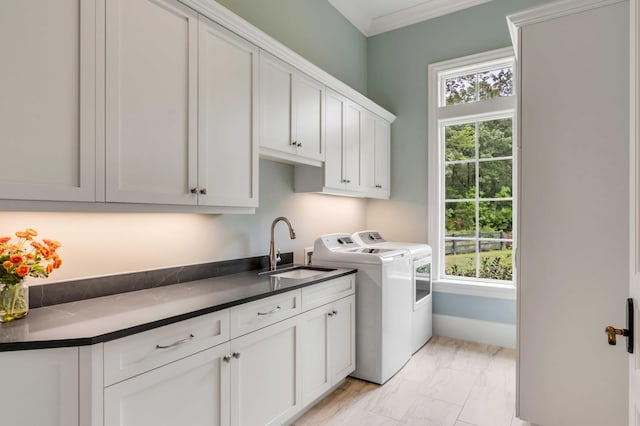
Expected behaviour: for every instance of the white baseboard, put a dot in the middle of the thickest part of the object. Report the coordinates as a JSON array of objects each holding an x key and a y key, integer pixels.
[{"x": 488, "y": 332}]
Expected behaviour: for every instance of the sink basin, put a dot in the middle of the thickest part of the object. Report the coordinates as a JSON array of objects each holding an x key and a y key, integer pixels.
[{"x": 300, "y": 273}]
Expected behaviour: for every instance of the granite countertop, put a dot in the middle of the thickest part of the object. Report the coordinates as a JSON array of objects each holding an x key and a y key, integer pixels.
[{"x": 101, "y": 319}]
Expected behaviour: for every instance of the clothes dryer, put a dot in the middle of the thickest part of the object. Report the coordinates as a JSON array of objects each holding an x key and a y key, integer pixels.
[{"x": 422, "y": 308}]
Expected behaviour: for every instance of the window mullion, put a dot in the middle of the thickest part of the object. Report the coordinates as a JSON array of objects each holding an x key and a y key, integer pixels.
[{"x": 477, "y": 201}]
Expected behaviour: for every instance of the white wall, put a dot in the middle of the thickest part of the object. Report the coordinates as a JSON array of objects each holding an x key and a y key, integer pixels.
[{"x": 95, "y": 244}]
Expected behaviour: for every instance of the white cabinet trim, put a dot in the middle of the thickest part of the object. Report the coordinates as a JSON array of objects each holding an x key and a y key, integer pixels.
[{"x": 228, "y": 19}]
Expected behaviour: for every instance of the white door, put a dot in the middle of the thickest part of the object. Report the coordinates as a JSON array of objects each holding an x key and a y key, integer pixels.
[
  {"x": 342, "y": 338},
  {"x": 382, "y": 156},
  {"x": 307, "y": 95},
  {"x": 314, "y": 331},
  {"x": 47, "y": 100},
  {"x": 227, "y": 141},
  {"x": 265, "y": 381},
  {"x": 39, "y": 387},
  {"x": 351, "y": 146},
  {"x": 151, "y": 102},
  {"x": 634, "y": 247},
  {"x": 275, "y": 105},
  {"x": 193, "y": 391},
  {"x": 573, "y": 219},
  {"x": 334, "y": 139}
]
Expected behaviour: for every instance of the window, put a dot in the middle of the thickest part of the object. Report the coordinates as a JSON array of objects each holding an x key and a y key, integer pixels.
[{"x": 472, "y": 170}]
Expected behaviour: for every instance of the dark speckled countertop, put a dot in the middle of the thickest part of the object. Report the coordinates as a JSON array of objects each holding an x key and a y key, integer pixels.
[{"x": 101, "y": 319}]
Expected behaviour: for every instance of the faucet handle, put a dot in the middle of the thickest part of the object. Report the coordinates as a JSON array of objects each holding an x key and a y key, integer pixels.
[{"x": 278, "y": 258}]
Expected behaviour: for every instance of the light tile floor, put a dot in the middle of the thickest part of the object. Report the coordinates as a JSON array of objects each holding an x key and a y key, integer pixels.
[{"x": 446, "y": 383}]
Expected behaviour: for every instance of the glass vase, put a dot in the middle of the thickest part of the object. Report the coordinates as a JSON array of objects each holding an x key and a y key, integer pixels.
[{"x": 14, "y": 301}]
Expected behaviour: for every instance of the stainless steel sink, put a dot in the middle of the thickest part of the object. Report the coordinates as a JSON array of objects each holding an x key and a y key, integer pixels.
[{"x": 299, "y": 272}]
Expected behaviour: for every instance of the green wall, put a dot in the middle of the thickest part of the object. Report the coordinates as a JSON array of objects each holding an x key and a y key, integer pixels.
[
  {"x": 397, "y": 64},
  {"x": 315, "y": 30}
]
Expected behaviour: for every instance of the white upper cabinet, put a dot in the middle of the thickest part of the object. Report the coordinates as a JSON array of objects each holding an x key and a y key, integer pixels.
[
  {"x": 357, "y": 159},
  {"x": 151, "y": 102},
  {"x": 228, "y": 149},
  {"x": 374, "y": 156},
  {"x": 47, "y": 101},
  {"x": 181, "y": 108},
  {"x": 291, "y": 113}
]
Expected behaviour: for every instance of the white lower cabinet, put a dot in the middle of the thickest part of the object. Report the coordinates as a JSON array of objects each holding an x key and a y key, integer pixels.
[
  {"x": 191, "y": 391},
  {"x": 193, "y": 372},
  {"x": 265, "y": 379},
  {"x": 39, "y": 387},
  {"x": 328, "y": 347}
]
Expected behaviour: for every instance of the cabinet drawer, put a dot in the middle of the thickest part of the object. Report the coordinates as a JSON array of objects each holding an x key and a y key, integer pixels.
[
  {"x": 254, "y": 315},
  {"x": 141, "y": 352},
  {"x": 320, "y": 294}
]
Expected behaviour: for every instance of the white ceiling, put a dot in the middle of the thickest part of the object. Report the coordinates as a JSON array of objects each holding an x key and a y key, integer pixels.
[{"x": 373, "y": 17}]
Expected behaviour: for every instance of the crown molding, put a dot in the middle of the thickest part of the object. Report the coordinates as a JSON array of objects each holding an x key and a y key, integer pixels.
[
  {"x": 419, "y": 13},
  {"x": 370, "y": 26}
]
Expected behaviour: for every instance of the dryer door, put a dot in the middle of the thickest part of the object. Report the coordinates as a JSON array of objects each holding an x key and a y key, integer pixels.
[{"x": 421, "y": 280}]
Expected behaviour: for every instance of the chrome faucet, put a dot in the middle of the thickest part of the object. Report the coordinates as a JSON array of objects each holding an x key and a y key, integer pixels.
[{"x": 274, "y": 257}]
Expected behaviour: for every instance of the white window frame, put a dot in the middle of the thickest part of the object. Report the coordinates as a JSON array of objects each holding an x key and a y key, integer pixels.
[{"x": 439, "y": 115}]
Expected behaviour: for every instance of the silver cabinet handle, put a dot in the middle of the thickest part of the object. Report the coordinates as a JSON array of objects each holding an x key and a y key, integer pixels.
[
  {"x": 177, "y": 343},
  {"x": 299, "y": 144},
  {"x": 236, "y": 355},
  {"x": 226, "y": 358},
  {"x": 293, "y": 143},
  {"x": 274, "y": 310},
  {"x": 378, "y": 186},
  {"x": 193, "y": 190},
  {"x": 334, "y": 312},
  {"x": 203, "y": 191},
  {"x": 330, "y": 314},
  {"x": 346, "y": 181}
]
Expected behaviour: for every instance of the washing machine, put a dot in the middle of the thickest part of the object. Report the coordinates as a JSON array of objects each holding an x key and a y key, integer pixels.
[
  {"x": 383, "y": 303},
  {"x": 422, "y": 308}
]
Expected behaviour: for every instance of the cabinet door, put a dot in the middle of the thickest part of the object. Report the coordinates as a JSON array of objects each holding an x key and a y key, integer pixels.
[
  {"x": 308, "y": 97},
  {"x": 382, "y": 156},
  {"x": 265, "y": 384},
  {"x": 151, "y": 101},
  {"x": 374, "y": 155},
  {"x": 334, "y": 135},
  {"x": 47, "y": 101},
  {"x": 191, "y": 391},
  {"x": 275, "y": 104},
  {"x": 342, "y": 338},
  {"x": 228, "y": 156},
  {"x": 351, "y": 146},
  {"x": 39, "y": 387},
  {"x": 367, "y": 152},
  {"x": 316, "y": 378}
]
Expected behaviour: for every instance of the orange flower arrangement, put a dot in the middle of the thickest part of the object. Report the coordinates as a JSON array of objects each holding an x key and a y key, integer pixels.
[{"x": 27, "y": 257}]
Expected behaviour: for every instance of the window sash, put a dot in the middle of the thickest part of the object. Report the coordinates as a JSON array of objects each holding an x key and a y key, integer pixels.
[{"x": 442, "y": 115}]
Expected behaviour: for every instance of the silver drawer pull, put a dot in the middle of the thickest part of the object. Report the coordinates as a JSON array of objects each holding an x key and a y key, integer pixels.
[
  {"x": 273, "y": 311},
  {"x": 178, "y": 343}
]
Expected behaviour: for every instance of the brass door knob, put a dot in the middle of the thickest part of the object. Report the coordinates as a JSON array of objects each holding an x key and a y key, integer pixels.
[{"x": 613, "y": 332}]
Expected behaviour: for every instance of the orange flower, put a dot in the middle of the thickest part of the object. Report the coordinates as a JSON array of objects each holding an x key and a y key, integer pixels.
[
  {"x": 4, "y": 240},
  {"x": 30, "y": 256},
  {"x": 31, "y": 232},
  {"x": 36, "y": 244},
  {"x": 57, "y": 263},
  {"x": 22, "y": 270},
  {"x": 53, "y": 244},
  {"x": 7, "y": 265},
  {"x": 49, "y": 268},
  {"x": 45, "y": 252},
  {"x": 15, "y": 259}
]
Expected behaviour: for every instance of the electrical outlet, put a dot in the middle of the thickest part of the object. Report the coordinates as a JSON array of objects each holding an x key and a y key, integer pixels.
[{"x": 308, "y": 252}]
